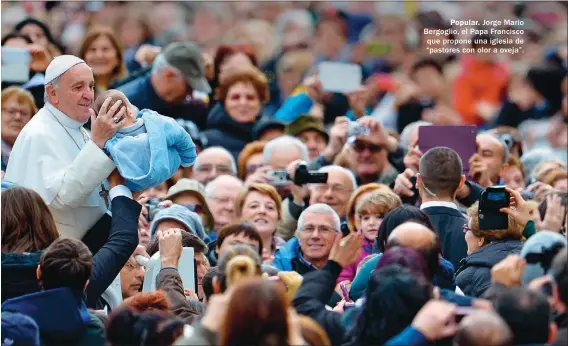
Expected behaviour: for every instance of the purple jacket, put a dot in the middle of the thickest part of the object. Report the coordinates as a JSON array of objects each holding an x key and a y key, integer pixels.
[{"x": 348, "y": 273}]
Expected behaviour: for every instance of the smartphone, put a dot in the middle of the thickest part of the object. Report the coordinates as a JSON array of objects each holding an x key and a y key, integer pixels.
[
  {"x": 492, "y": 200},
  {"x": 278, "y": 178},
  {"x": 15, "y": 65},
  {"x": 345, "y": 229},
  {"x": 340, "y": 77},
  {"x": 460, "y": 138},
  {"x": 412, "y": 199}
]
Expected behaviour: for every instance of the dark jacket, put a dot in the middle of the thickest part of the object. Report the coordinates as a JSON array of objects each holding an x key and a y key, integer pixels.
[
  {"x": 170, "y": 281},
  {"x": 449, "y": 223},
  {"x": 140, "y": 92},
  {"x": 61, "y": 315},
  {"x": 223, "y": 131},
  {"x": 312, "y": 296},
  {"x": 474, "y": 274},
  {"x": 19, "y": 270}
]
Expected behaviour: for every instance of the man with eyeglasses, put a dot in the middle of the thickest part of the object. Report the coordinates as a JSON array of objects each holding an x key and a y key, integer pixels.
[
  {"x": 213, "y": 162},
  {"x": 318, "y": 227},
  {"x": 221, "y": 195}
]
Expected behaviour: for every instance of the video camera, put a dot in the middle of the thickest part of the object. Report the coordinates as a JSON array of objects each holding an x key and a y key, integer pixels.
[{"x": 302, "y": 177}]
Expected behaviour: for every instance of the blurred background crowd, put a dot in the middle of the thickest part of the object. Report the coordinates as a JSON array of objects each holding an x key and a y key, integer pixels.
[{"x": 267, "y": 110}]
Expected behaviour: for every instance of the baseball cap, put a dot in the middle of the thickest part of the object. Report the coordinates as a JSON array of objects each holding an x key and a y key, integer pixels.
[{"x": 186, "y": 57}]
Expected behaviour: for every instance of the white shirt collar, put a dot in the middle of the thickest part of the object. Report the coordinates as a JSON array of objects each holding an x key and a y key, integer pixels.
[
  {"x": 439, "y": 204},
  {"x": 64, "y": 119}
]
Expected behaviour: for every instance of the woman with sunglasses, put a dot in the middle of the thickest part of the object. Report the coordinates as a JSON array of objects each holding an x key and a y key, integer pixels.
[{"x": 241, "y": 94}]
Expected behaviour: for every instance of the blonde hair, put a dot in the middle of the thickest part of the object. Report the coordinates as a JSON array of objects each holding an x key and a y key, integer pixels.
[
  {"x": 514, "y": 231},
  {"x": 378, "y": 202},
  {"x": 355, "y": 197},
  {"x": 241, "y": 268},
  {"x": 298, "y": 61},
  {"x": 244, "y": 74},
  {"x": 263, "y": 189},
  {"x": 22, "y": 96}
]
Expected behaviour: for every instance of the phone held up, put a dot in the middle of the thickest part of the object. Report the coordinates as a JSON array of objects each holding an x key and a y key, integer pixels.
[{"x": 492, "y": 200}]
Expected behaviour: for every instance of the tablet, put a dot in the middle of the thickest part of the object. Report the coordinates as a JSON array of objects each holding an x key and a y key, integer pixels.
[
  {"x": 15, "y": 65},
  {"x": 340, "y": 77},
  {"x": 186, "y": 268},
  {"x": 460, "y": 138}
]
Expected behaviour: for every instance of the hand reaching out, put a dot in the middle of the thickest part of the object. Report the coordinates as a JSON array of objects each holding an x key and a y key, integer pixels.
[
  {"x": 518, "y": 208},
  {"x": 346, "y": 250},
  {"x": 509, "y": 271},
  {"x": 170, "y": 246}
]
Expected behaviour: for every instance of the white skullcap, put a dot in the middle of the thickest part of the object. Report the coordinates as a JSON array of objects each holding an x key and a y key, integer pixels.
[{"x": 59, "y": 66}]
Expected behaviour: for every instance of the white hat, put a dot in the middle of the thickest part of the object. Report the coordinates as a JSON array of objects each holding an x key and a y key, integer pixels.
[{"x": 59, "y": 66}]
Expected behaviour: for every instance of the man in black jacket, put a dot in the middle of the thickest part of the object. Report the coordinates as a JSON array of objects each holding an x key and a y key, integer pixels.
[{"x": 440, "y": 177}]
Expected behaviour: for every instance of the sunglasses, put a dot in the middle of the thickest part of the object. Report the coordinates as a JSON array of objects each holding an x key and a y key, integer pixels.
[
  {"x": 248, "y": 97},
  {"x": 359, "y": 147},
  {"x": 196, "y": 208}
]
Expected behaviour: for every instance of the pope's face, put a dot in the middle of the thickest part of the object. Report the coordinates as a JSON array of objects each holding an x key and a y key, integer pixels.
[{"x": 75, "y": 93}]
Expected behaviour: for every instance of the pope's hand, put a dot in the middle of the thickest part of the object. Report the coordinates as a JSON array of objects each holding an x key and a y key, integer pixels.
[{"x": 109, "y": 120}]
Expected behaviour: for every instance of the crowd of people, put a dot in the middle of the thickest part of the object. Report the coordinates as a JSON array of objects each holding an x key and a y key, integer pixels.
[{"x": 177, "y": 173}]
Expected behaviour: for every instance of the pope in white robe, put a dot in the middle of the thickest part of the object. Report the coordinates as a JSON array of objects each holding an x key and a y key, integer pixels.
[{"x": 55, "y": 156}]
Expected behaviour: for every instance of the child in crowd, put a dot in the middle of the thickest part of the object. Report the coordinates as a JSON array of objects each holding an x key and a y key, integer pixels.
[
  {"x": 150, "y": 147},
  {"x": 371, "y": 211}
]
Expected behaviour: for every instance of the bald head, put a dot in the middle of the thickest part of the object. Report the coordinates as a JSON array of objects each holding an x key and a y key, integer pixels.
[
  {"x": 412, "y": 235},
  {"x": 481, "y": 328}
]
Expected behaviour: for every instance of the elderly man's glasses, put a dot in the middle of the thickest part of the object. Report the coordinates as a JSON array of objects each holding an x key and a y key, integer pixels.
[
  {"x": 321, "y": 229},
  {"x": 336, "y": 188},
  {"x": 360, "y": 147},
  {"x": 208, "y": 168}
]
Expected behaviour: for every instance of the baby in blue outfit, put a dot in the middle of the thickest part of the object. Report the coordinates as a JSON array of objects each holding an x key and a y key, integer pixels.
[{"x": 150, "y": 147}]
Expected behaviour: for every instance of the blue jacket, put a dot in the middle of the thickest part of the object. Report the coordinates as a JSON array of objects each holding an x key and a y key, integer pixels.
[
  {"x": 285, "y": 254},
  {"x": 151, "y": 151},
  {"x": 61, "y": 315},
  {"x": 444, "y": 277}
]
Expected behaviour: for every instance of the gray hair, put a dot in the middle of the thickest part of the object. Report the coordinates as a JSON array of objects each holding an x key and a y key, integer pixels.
[
  {"x": 531, "y": 160},
  {"x": 55, "y": 83},
  {"x": 160, "y": 64},
  {"x": 319, "y": 209},
  {"x": 409, "y": 129},
  {"x": 344, "y": 170},
  {"x": 212, "y": 186},
  {"x": 284, "y": 143},
  {"x": 233, "y": 164},
  {"x": 299, "y": 17}
]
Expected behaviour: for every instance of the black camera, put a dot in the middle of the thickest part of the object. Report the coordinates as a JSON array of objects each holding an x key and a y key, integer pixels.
[
  {"x": 302, "y": 177},
  {"x": 153, "y": 208},
  {"x": 492, "y": 200}
]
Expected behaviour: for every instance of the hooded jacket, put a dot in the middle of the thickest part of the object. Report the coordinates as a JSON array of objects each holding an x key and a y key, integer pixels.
[
  {"x": 224, "y": 131},
  {"x": 151, "y": 151},
  {"x": 474, "y": 274},
  {"x": 61, "y": 315},
  {"x": 19, "y": 274}
]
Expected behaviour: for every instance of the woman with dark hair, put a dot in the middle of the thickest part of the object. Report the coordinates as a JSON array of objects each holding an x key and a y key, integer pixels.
[
  {"x": 394, "y": 296},
  {"x": 156, "y": 328},
  {"x": 39, "y": 33}
]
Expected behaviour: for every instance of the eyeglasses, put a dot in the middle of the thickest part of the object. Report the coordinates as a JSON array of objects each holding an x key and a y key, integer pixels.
[
  {"x": 466, "y": 228},
  {"x": 196, "y": 208},
  {"x": 208, "y": 168},
  {"x": 321, "y": 229},
  {"x": 359, "y": 147},
  {"x": 13, "y": 111},
  {"x": 248, "y": 97},
  {"x": 223, "y": 200},
  {"x": 337, "y": 188}
]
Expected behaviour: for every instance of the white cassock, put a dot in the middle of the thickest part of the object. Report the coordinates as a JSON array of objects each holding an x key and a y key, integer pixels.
[{"x": 54, "y": 156}]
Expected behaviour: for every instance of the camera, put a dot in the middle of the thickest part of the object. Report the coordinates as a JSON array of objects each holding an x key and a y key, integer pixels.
[
  {"x": 153, "y": 208},
  {"x": 355, "y": 129},
  {"x": 491, "y": 201},
  {"x": 302, "y": 177}
]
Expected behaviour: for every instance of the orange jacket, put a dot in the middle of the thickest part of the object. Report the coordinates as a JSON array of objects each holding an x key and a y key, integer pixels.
[{"x": 477, "y": 81}]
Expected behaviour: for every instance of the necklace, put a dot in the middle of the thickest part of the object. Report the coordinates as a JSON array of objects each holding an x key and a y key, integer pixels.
[{"x": 104, "y": 192}]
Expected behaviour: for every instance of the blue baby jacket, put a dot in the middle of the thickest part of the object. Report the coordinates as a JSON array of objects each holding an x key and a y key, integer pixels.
[{"x": 150, "y": 151}]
